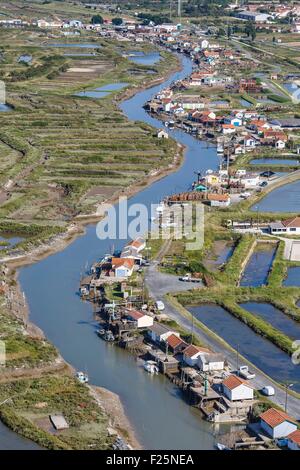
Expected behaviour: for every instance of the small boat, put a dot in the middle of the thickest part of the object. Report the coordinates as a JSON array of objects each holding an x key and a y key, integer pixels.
[
  {"x": 220, "y": 446},
  {"x": 107, "y": 335},
  {"x": 82, "y": 377},
  {"x": 151, "y": 367}
]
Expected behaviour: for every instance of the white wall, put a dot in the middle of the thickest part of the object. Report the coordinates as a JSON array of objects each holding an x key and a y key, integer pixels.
[
  {"x": 282, "y": 430},
  {"x": 145, "y": 321},
  {"x": 242, "y": 392},
  {"x": 191, "y": 361}
]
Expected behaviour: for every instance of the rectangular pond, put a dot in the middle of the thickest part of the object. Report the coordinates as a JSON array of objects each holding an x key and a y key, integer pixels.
[
  {"x": 74, "y": 45},
  {"x": 293, "y": 277},
  {"x": 258, "y": 267},
  {"x": 9, "y": 242},
  {"x": 275, "y": 161},
  {"x": 139, "y": 57},
  {"x": 102, "y": 91},
  {"x": 275, "y": 317},
  {"x": 258, "y": 350},
  {"x": 283, "y": 199}
]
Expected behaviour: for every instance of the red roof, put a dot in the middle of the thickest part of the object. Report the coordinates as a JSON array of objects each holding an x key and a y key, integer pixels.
[
  {"x": 295, "y": 436},
  {"x": 174, "y": 341},
  {"x": 292, "y": 222},
  {"x": 118, "y": 262},
  {"x": 233, "y": 382},
  {"x": 275, "y": 417},
  {"x": 191, "y": 350},
  {"x": 135, "y": 314}
]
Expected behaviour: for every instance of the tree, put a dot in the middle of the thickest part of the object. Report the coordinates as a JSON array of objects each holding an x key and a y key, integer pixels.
[
  {"x": 97, "y": 19},
  {"x": 117, "y": 21}
]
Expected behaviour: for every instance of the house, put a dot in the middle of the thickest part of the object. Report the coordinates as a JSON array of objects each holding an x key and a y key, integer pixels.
[
  {"x": 218, "y": 200},
  {"x": 122, "y": 267},
  {"x": 234, "y": 121},
  {"x": 138, "y": 244},
  {"x": 210, "y": 362},
  {"x": 291, "y": 225},
  {"x": 162, "y": 134},
  {"x": 175, "y": 344},
  {"x": 235, "y": 388},
  {"x": 239, "y": 150},
  {"x": 250, "y": 179},
  {"x": 142, "y": 320},
  {"x": 249, "y": 141},
  {"x": 276, "y": 423},
  {"x": 192, "y": 353},
  {"x": 204, "y": 44},
  {"x": 279, "y": 144},
  {"x": 228, "y": 129},
  {"x": 159, "y": 332},
  {"x": 254, "y": 16},
  {"x": 293, "y": 440}
]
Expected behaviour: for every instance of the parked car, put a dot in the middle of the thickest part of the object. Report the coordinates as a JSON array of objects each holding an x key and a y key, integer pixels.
[
  {"x": 263, "y": 184},
  {"x": 268, "y": 391},
  {"x": 159, "y": 305}
]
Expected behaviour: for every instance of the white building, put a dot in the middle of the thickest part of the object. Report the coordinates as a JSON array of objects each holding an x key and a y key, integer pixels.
[
  {"x": 122, "y": 267},
  {"x": 294, "y": 440},
  {"x": 289, "y": 226},
  {"x": 250, "y": 180},
  {"x": 162, "y": 134},
  {"x": 210, "y": 362},
  {"x": 235, "y": 388},
  {"x": 142, "y": 320},
  {"x": 159, "y": 332},
  {"x": 276, "y": 423},
  {"x": 192, "y": 353},
  {"x": 254, "y": 16}
]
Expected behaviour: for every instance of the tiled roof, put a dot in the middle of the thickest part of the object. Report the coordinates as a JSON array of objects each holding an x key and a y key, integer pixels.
[
  {"x": 134, "y": 314},
  {"x": 118, "y": 262},
  {"x": 191, "y": 350},
  {"x": 233, "y": 382},
  {"x": 174, "y": 341},
  {"x": 295, "y": 436},
  {"x": 275, "y": 417},
  {"x": 292, "y": 222}
]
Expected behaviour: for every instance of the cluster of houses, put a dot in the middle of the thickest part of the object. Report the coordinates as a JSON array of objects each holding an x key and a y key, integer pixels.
[{"x": 221, "y": 395}]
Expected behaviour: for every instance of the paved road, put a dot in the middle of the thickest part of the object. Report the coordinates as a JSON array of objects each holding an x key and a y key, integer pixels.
[{"x": 160, "y": 284}]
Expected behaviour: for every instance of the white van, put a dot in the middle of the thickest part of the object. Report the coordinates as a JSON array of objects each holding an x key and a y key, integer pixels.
[
  {"x": 268, "y": 391},
  {"x": 160, "y": 305}
]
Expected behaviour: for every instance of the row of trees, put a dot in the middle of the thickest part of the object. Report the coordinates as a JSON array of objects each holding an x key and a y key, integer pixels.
[{"x": 97, "y": 19}]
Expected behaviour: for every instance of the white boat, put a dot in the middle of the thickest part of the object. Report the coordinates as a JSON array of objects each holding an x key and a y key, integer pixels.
[
  {"x": 151, "y": 367},
  {"x": 220, "y": 446},
  {"x": 82, "y": 377}
]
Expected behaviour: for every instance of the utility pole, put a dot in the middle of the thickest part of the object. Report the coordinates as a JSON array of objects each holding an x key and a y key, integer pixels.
[
  {"x": 287, "y": 387},
  {"x": 237, "y": 357},
  {"x": 179, "y": 10}
]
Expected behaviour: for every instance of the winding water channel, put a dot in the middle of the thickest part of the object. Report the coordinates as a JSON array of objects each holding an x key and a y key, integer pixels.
[{"x": 154, "y": 406}]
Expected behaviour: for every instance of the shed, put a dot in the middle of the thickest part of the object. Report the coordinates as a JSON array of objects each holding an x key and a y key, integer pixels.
[
  {"x": 235, "y": 388},
  {"x": 276, "y": 423}
]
